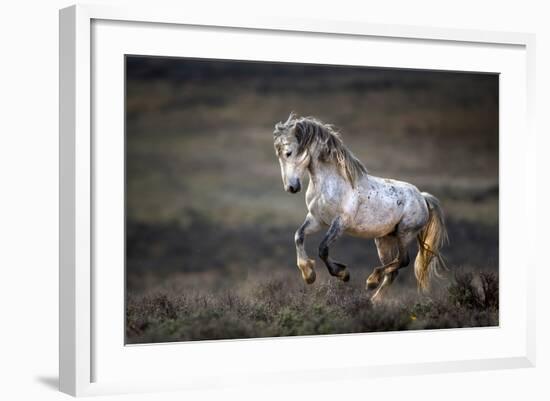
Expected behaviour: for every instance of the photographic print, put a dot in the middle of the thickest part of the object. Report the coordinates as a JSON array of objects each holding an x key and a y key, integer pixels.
[{"x": 269, "y": 199}]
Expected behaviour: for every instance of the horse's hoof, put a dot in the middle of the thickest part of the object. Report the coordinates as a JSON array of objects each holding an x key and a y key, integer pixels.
[
  {"x": 344, "y": 276},
  {"x": 309, "y": 279},
  {"x": 372, "y": 283},
  {"x": 307, "y": 269}
]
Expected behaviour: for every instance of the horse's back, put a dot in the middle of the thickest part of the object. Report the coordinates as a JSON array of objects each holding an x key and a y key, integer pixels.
[
  {"x": 384, "y": 203},
  {"x": 415, "y": 212}
]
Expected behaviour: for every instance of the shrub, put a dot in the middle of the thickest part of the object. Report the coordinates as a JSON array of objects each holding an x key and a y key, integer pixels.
[
  {"x": 463, "y": 293},
  {"x": 284, "y": 307}
]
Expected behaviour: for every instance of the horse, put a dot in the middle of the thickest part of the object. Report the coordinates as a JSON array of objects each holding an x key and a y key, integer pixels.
[{"x": 344, "y": 198}]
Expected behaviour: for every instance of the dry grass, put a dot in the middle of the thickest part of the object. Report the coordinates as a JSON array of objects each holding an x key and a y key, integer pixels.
[{"x": 283, "y": 307}]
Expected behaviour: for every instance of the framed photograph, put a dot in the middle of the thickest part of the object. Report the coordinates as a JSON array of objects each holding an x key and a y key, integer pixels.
[{"x": 271, "y": 200}]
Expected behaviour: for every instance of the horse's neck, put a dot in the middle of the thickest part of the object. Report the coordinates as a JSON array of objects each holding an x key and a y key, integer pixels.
[
  {"x": 322, "y": 172},
  {"x": 326, "y": 175}
]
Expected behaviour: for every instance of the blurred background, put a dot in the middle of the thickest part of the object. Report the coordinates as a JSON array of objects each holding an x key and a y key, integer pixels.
[{"x": 206, "y": 210}]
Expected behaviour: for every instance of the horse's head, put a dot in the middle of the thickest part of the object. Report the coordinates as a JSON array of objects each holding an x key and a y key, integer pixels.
[{"x": 292, "y": 157}]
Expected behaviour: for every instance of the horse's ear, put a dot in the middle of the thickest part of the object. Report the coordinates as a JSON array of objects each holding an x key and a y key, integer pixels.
[
  {"x": 278, "y": 128},
  {"x": 282, "y": 127},
  {"x": 292, "y": 116}
]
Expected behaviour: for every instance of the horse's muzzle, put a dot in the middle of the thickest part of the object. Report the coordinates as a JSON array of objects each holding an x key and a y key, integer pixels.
[{"x": 294, "y": 187}]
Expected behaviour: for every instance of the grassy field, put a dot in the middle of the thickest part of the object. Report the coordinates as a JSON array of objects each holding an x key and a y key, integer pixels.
[
  {"x": 282, "y": 306},
  {"x": 210, "y": 251},
  {"x": 183, "y": 287}
]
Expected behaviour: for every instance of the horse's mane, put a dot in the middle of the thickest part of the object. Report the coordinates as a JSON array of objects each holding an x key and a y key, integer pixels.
[{"x": 324, "y": 143}]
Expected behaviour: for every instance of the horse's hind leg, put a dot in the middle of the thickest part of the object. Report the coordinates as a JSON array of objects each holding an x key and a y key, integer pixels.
[
  {"x": 335, "y": 269},
  {"x": 393, "y": 253},
  {"x": 387, "y": 252}
]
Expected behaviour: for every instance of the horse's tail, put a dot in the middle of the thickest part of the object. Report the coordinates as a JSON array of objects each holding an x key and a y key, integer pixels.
[{"x": 432, "y": 237}]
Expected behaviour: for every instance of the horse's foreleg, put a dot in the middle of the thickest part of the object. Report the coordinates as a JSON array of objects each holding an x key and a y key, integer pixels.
[
  {"x": 305, "y": 264},
  {"x": 336, "y": 269}
]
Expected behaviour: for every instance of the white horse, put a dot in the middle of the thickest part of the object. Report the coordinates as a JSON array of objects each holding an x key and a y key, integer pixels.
[{"x": 343, "y": 197}]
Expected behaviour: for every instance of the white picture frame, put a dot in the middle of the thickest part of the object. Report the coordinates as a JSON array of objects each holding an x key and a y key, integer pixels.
[{"x": 82, "y": 346}]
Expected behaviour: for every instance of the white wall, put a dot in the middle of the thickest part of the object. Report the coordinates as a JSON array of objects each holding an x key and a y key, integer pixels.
[{"x": 29, "y": 184}]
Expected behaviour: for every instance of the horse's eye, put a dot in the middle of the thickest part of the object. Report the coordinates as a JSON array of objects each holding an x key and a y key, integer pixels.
[{"x": 288, "y": 154}]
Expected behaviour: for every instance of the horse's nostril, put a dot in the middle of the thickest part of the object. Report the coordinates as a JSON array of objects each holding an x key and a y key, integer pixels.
[{"x": 293, "y": 188}]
